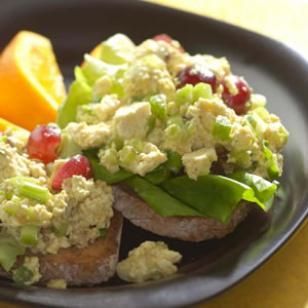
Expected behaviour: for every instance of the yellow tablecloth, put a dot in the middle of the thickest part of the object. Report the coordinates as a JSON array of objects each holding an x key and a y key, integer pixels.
[{"x": 283, "y": 281}]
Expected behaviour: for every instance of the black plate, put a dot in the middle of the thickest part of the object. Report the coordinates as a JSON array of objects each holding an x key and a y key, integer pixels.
[{"x": 270, "y": 67}]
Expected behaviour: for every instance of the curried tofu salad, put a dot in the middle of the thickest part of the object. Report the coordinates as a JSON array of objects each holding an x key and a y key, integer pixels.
[{"x": 175, "y": 143}]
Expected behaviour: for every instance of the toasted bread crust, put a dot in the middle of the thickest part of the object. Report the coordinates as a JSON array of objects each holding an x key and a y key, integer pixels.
[
  {"x": 93, "y": 264},
  {"x": 193, "y": 229}
]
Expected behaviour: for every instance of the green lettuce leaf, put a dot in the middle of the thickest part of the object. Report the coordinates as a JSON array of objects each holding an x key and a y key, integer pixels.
[
  {"x": 264, "y": 190},
  {"x": 218, "y": 196},
  {"x": 79, "y": 93},
  {"x": 101, "y": 173},
  {"x": 160, "y": 201},
  {"x": 94, "y": 68},
  {"x": 211, "y": 195},
  {"x": 10, "y": 249}
]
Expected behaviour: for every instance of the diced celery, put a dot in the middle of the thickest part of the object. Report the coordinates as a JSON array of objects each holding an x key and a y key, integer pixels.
[
  {"x": 68, "y": 147},
  {"x": 117, "y": 49},
  {"x": 29, "y": 235},
  {"x": 173, "y": 131},
  {"x": 185, "y": 95},
  {"x": 262, "y": 113},
  {"x": 158, "y": 106},
  {"x": 256, "y": 123},
  {"x": 34, "y": 191},
  {"x": 222, "y": 128},
  {"x": 202, "y": 90},
  {"x": 273, "y": 169},
  {"x": 79, "y": 93},
  {"x": 29, "y": 188},
  {"x": 94, "y": 68}
]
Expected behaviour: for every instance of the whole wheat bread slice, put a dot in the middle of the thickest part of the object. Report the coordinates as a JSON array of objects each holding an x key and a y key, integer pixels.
[
  {"x": 93, "y": 264},
  {"x": 194, "y": 229}
]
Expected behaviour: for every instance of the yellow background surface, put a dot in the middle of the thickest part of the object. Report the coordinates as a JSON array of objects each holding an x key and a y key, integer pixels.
[{"x": 283, "y": 281}]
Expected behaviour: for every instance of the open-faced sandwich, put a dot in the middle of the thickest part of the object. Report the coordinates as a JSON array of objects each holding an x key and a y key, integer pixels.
[{"x": 176, "y": 143}]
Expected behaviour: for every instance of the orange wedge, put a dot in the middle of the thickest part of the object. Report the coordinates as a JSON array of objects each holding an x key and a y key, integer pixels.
[
  {"x": 31, "y": 84},
  {"x": 4, "y": 125},
  {"x": 96, "y": 51}
]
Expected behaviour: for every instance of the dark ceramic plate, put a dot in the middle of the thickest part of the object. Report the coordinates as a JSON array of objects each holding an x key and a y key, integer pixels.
[{"x": 270, "y": 67}]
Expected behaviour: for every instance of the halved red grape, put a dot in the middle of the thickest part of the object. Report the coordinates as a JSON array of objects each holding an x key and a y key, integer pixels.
[
  {"x": 77, "y": 165},
  {"x": 238, "y": 101},
  {"x": 166, "y": 38},
  {"x": 193, "y": 75},
  {"x": 163, "y": 37},
  {"x": 44, "y": 142}
]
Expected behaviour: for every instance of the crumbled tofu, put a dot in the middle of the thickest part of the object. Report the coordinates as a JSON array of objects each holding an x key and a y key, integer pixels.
[
  {"x": 101, "y": 87},
  {"x": 77, "y": 188},
  {"x": 108, "y": 157},
  {"x": 17, "y": 138},
  {"x": 132, "y": 121},
  {"x": 242, "y": 138},
  {"x": 276, "y": 135},
  {"x": 140, "y": 158},
  {"x": 89, "y": 136},
  {"x": 149, "y": 261},
  {"x": 57, "y": 284},
  {"x": 199, "y": 162},
  {"x": 50, "y": 243},
  {"x": 170, "y": 52},
  {"x": 148, "y": 76},
  {"x": 18, "y": 211},
  {"x": 87, "y": 212},
  {"x": 99, "y": 112},
  {"x": 11, "y": 162},
  {"x": 220, "y": 66}
]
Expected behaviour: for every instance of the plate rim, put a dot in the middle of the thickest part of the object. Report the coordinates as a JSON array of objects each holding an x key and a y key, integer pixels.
[{"x": 284, "y": 239}]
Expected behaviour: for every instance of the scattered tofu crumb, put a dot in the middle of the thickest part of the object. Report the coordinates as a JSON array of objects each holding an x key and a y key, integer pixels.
[
  {"x": 149, "y": 261},
  {"x": 57, "y": 284},
  {"x": 33, "y": 264}
]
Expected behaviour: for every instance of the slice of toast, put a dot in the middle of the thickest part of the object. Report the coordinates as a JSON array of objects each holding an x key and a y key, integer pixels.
[
  {"x": 93, "y": 264},
  {"x": 194, "y": 229}
]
